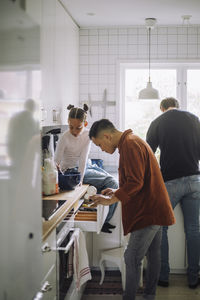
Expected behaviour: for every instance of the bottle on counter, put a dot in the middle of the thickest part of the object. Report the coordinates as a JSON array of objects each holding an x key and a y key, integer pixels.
[{"x": 49, "y": 177}]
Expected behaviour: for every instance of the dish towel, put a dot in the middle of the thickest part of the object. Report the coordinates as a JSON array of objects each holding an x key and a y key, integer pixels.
[
  {"x": 70, "y": 262},
  {"x": 81, "y": 264}
]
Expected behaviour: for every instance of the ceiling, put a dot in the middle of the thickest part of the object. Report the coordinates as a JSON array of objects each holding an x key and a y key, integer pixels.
[{"x": 88, "y": 13}]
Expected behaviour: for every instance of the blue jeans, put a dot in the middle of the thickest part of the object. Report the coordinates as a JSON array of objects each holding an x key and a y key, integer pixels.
[
  {"x": 186, "y": 191},
  {"x": 143, "y": 242},
  {"x": 101, "y": 179}
]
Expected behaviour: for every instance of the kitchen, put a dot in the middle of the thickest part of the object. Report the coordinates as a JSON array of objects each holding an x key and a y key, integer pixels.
[{"x": 69, "y": 52}]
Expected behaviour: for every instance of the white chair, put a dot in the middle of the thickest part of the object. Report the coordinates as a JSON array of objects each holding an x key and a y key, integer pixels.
[{"x": 116, "y": 256}]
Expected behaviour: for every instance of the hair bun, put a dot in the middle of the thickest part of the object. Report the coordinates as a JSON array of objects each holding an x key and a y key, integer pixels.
[
  {"x": 85, "y": 107},
  {"x": 70, "y": 106}
]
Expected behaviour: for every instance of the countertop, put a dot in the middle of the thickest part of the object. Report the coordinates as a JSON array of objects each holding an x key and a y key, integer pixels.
[{"x": 72, "y": 198}]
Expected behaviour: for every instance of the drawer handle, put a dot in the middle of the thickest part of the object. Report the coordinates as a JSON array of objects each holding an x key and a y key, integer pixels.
[
  {"x": 46, "y": 248},
  {"x": 46, "y": 287}
]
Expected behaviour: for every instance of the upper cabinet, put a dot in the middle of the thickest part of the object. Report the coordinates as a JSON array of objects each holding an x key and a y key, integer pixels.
[{"x": 59, "y": 62}]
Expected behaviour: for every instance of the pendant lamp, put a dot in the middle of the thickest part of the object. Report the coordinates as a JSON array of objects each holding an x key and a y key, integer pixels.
[{"x": 149, "y": 92}]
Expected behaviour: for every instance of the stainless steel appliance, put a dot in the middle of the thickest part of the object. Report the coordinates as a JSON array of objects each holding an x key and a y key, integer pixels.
[
  {"x": 50, "y": 207},
  {"x": 50, "y": 137},
  {"x": 65, "y": 250}
]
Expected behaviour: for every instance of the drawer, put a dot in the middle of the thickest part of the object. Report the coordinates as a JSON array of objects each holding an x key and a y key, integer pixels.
[
  {"x": 48, "y": 288},
  {"x": 48, "y": 255},
  {"x": 91, "y": 221}
]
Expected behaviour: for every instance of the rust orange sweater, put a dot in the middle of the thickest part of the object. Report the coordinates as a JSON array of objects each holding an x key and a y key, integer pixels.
[{"x": 142, "y": 191}]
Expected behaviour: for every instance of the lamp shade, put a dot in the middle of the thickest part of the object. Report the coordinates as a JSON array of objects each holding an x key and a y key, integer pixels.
[{"x": 149, "y": 92}]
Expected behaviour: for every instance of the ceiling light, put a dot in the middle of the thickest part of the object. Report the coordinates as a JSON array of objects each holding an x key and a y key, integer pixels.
[
  {"x": 186, "y": 19},
  {"x": 149, "y": 92}
]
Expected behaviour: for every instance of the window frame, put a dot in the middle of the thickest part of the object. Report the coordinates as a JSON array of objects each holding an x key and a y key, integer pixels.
[{"x": 181, "y": 84}]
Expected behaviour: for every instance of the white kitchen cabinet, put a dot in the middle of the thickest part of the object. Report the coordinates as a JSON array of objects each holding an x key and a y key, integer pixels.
[
  {"x": 49, "y": 285},
  {"x": 48, "y": 255},
  {"x": 177, "y": 243},
  {"x": 59, "y": 61},
  {"x": 105, "y": 241},
  {"x": 48, "y": 289}
]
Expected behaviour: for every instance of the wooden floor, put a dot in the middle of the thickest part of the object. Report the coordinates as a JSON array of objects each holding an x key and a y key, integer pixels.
[{"x": 178, "y": 290}]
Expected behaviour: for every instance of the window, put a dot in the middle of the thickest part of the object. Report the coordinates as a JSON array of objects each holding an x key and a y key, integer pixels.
[
  {"x": 193, "y": 91},
  {"x": 140, "y": 113},
  {"x": 172, "y": 80}
]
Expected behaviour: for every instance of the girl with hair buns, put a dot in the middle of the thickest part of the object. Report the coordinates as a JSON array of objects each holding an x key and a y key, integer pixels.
[
  {"x": 74, "y": 145},
  {"x": 72, "y": 151}
]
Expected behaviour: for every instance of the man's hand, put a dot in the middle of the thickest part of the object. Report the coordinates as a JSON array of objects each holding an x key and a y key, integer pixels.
[
  {"x": 108, "y": 192},
  {"x": 100, "y": 199},
  {"x": 104, "y": 200}
]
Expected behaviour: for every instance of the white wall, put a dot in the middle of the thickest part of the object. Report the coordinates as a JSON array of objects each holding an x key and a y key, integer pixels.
[
  {"x": 102, "y": 48},
  {"x": 59, "y": 60}
]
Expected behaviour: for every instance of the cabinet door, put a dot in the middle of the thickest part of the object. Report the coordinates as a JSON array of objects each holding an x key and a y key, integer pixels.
[
  {"x": 177, "y": 243},
  {"x": 48, "y": 289},
  {"x": 48, "y": 253}
]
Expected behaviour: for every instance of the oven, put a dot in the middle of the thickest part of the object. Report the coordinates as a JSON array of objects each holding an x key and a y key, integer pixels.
[
  {"x": 50, "y": 208},
  {"x": 64, "y": 249},
  {"x": 64, "y": 253}
]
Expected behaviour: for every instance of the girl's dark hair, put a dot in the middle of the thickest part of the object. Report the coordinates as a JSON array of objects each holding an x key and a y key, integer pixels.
[{"x": 77, "y": 112}]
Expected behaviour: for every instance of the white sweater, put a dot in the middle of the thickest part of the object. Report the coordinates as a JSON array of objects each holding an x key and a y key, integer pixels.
[{"x": 73, "y": 151}]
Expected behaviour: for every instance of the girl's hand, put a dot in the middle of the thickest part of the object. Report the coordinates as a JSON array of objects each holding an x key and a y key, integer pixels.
[{"x": 58, "y": 167}]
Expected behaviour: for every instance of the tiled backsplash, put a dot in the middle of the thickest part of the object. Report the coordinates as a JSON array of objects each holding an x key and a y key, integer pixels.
[{"x": 101, "y": 48}]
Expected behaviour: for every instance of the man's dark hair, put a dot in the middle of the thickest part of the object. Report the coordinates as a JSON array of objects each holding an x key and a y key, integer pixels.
[
  {"x": 98, "y": 126},
  {"x": 169, "y": 102}
]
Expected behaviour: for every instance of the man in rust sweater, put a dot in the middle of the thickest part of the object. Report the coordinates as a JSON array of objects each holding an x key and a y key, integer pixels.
[{"x": 144, "y": 199}]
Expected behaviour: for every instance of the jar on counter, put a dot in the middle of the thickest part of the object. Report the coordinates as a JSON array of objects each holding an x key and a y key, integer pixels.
[{"x": 49, "y": 178}]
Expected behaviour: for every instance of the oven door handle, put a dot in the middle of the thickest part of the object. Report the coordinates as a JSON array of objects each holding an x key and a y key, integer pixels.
[{"x": 68, "y": 246}]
